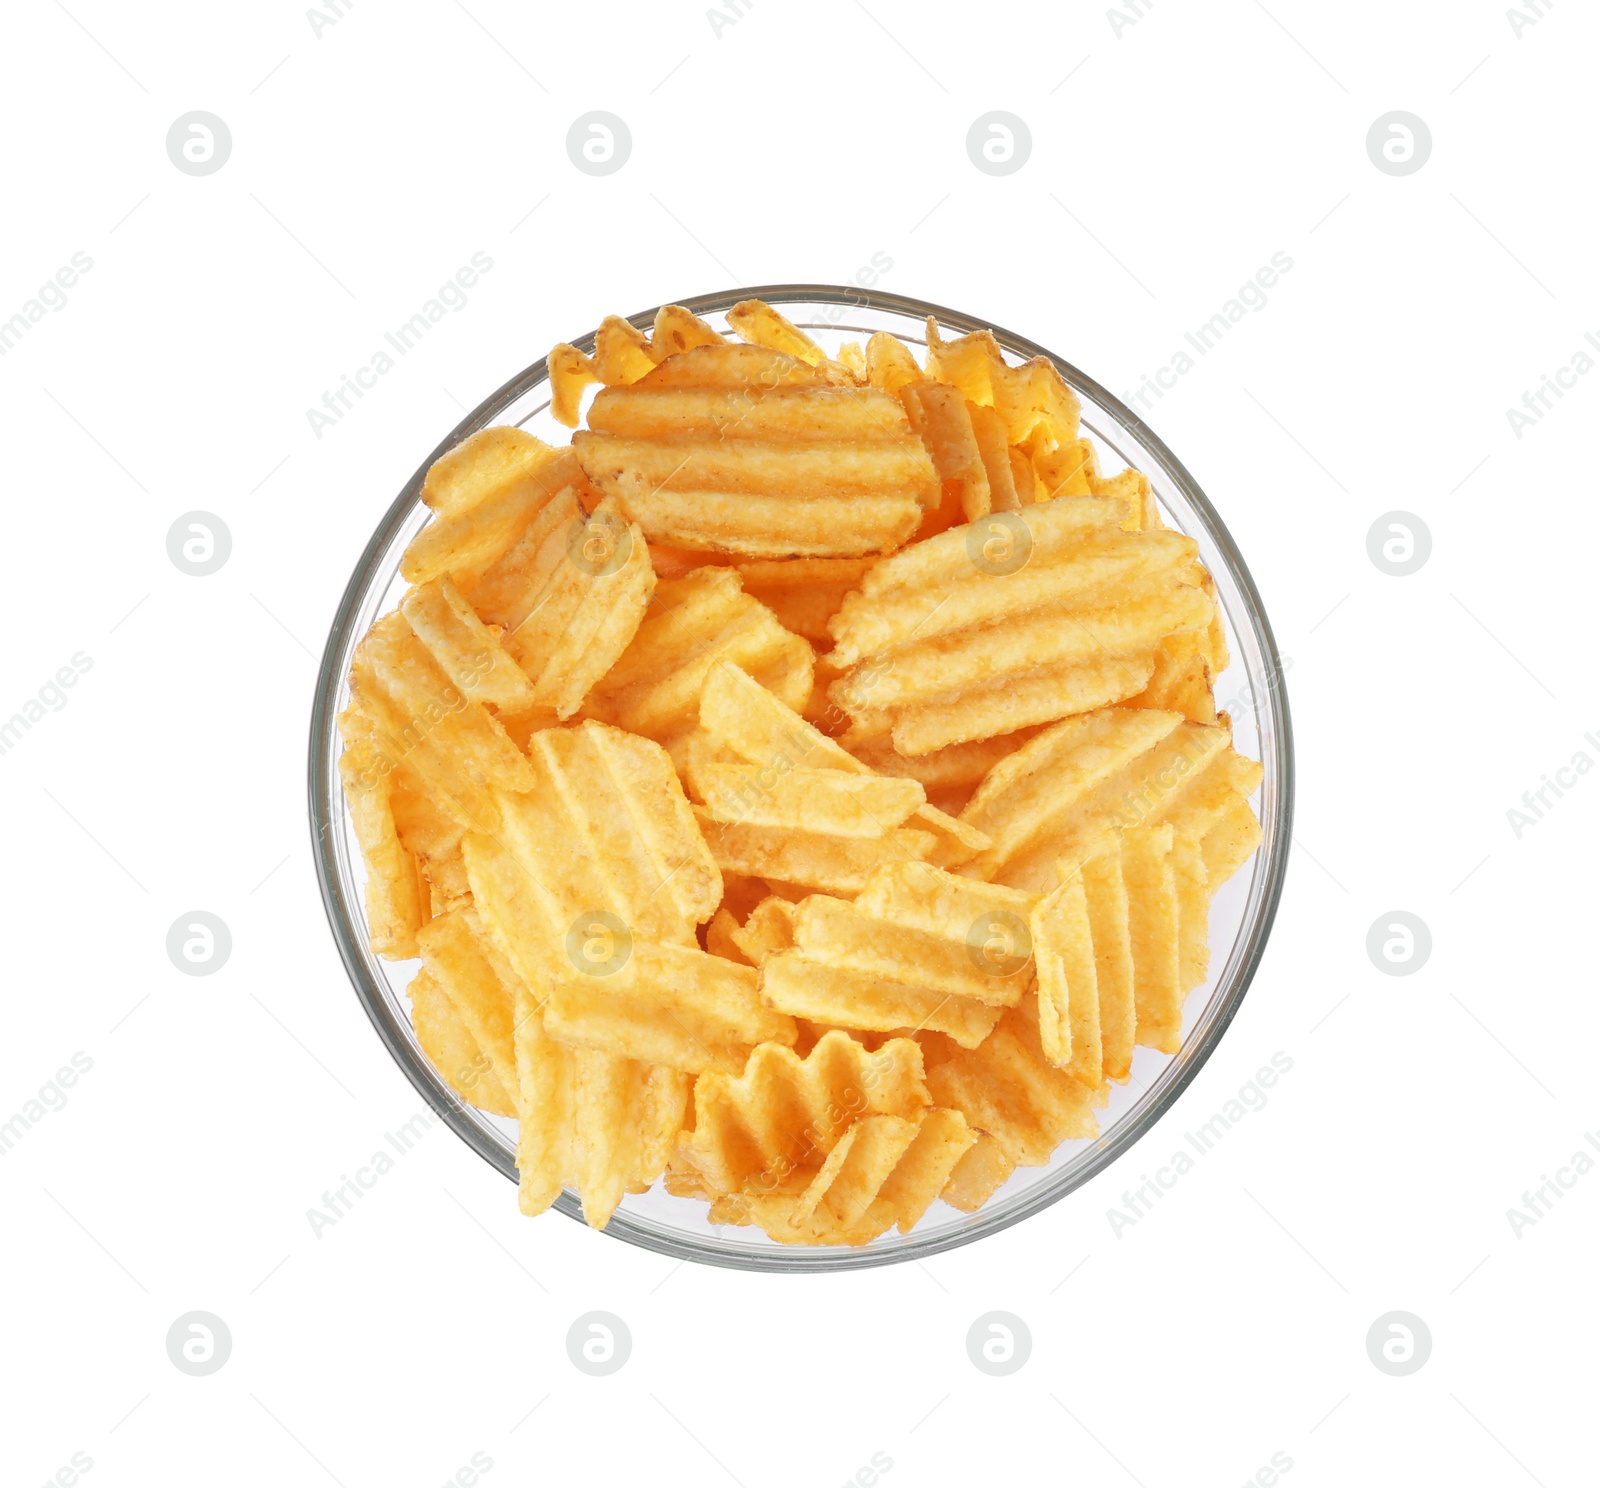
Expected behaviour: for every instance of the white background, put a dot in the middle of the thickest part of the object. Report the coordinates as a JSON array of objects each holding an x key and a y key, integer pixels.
[{"x": 368, "y": 164}]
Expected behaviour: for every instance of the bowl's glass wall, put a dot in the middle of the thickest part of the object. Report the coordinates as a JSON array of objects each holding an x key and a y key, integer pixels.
[{"x": 1250, "y": 690}]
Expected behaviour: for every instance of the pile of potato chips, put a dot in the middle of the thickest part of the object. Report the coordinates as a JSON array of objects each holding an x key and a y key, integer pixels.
[{"x": 805, "y": 788}]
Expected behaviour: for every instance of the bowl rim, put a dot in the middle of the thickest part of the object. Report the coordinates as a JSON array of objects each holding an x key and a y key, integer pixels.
[{"x": 326, "y": 808}]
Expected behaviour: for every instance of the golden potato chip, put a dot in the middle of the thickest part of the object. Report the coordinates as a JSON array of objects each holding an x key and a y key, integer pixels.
[
  {"x": 1068, "y": 984},
  {"x": 989, "y": 435},
  {"x": 804, "y": 593},
  {"x": 940, "y": 417},
  {"x": 816, "y": 860},
  {"x": 596, "y": 586},
  {"x": 956, "y": 958},
  {"x": 722, "y": 938},
  {"x": 493, "y": 484},
  {"x": 1066, "y": 619},
  {"x": 885, "y": 1170},
  {"x": 1006, "y": 1088},
  {"x": 1153, "y": 932},
  {"x": 783, "y": 1114},
  {"x": 827, "y": 801},
  {"x": 1030, "y": 397},
  {"x": 452, "y": 1050},
  {"x": 1107, "y": 898},
  {"x": 453, "y": 956},
  {"x": 468, "y": 650},
  {"x": 775, "y": 469},
  {"x": 980, "y": 1172},
  {"x": 768, "y": 930},
  {"x": 764, "y": 730},
  {"x": 1068, "y": 792},
  {"x": 395, "y": 894},
  {"x": 758, "y": 323},
  {"x": 663, "y": 1005},
  {"x": 890, "y": 364},
  {"x": 694, "y": 624},
  {"x": 601, "y": 1124}
]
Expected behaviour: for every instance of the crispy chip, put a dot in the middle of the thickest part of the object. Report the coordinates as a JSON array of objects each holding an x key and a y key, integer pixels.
[
  {"x": 395, "y": 895},
  {"x": 758, "y": 727},
  {"x": 768, "y": 930},
  {"x": 487, "y": 491},
  {"x": 940, "y": 416},
  {"x": 453, "y": 956},
  {"x": 1068, "y": 984},
  {"x": 664, "y": 1005},
  {"x": 1153, "y": 932},
  {"x": 1067, "y": 793},
  {"x": 774, "y": 467},
  {"x": 468, "y": 651},
  {"x": 596, "y": 582},
  {"x": 1008, "y": 1089},
  {"x": 695, "y": 623},
  {"x": 451, "y": 1049},
  {"x": 757, "y": 322},
  {"x": 1001, "y": 644},
  {"x": 804, "y": 593},
  {"x": 974, "y": 1180},
  {"x": 1107, "y": 898},
  {"x": 827, "y": 801},
  {"x": 783, "y": 1114}
]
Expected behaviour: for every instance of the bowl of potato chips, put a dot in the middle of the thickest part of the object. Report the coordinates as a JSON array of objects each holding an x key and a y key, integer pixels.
[{"x": 800, "y": 779}]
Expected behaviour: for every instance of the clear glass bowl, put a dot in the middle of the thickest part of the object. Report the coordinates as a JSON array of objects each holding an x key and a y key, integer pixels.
[{"x": 1251, "y": 690}]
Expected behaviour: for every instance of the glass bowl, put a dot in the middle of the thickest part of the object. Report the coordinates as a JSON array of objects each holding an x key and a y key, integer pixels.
[{"x": 1251, "y": 690}]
